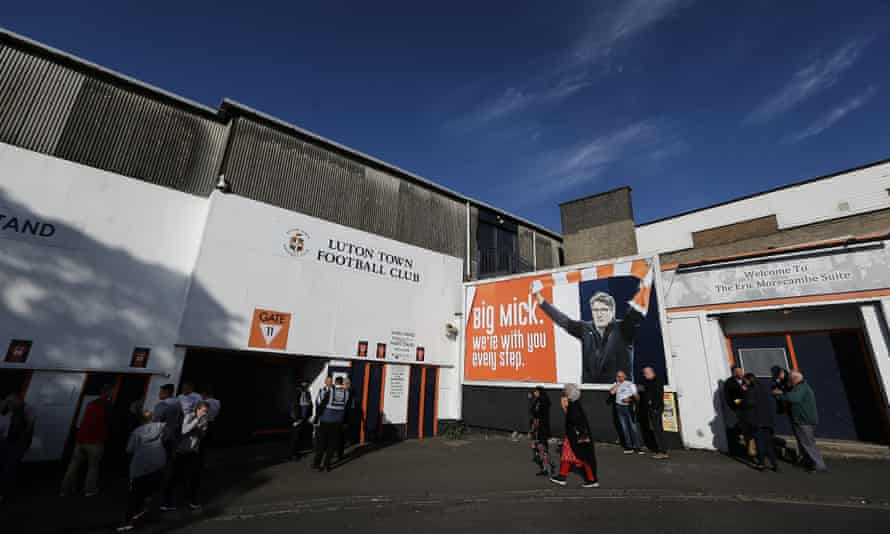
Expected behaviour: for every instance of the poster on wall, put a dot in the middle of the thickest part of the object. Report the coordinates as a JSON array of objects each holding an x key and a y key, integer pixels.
[
  {"x": 579, "y": 326},
  {"x": 669, "y": 416}
]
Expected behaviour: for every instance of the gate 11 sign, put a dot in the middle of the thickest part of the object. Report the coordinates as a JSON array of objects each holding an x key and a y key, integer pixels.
[{"x": 269, "y": 330}]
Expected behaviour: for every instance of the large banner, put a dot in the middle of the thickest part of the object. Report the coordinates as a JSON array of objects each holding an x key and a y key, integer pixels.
[{"x": 580, "y": 326}]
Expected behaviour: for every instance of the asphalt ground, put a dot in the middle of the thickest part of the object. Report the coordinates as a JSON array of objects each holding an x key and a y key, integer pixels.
[{"x": 480, "y": 485}]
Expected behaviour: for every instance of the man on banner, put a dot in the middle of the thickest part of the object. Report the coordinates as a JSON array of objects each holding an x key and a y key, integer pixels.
[{"x": 607, "y": 343}]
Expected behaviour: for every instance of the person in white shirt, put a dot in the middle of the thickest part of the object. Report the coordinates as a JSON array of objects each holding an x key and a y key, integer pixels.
[{"x": 624, "y": 395}]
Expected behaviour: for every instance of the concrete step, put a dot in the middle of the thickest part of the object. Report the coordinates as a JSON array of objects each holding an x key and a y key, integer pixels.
[{"x": 836, "y": 448}]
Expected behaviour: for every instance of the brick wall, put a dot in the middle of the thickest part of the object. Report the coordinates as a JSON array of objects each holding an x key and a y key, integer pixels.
[
  {"x": 731, "y": 233},
  {"x": 876, "y": 221},
  {"x": 598, "y": 227}
]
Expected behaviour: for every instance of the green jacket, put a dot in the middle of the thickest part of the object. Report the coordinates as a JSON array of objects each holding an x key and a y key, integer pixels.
[{"x": 803, "y": 404}]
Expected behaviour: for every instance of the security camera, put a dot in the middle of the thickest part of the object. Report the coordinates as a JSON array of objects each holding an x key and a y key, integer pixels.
[
  {"x": 222, "y": 185},
  {"x": 451, "y": 330}
]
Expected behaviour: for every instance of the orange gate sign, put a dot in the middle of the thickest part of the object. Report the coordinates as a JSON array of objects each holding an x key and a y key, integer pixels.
[{"x": 269, "y": 330}]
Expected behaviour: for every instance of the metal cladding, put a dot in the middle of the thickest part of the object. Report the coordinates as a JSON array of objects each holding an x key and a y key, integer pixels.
[
  {"x": 546, "y": 252},
  {"x": 62, "y": 106},
  {"x": 54, "y": 109},
  {"x": 279, "y": 168}
]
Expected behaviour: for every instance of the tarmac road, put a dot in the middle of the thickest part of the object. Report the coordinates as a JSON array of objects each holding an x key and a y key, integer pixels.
[{"x": 487, "y": 486}]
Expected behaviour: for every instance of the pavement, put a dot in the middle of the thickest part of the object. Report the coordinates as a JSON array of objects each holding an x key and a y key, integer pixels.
[{"x": 479, "y": 484}]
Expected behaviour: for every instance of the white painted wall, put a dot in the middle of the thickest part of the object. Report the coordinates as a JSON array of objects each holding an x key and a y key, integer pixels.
[
  {"x": 243, "y": 265},
  {"x": 874, "y": 318},
  {"x": 863, "y": 191},
  {"x": 114, "y": 274},
  {"x": 697, "y": 372}
]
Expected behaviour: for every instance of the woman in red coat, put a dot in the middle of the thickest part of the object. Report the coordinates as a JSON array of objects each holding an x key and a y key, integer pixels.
[{"x": 577, "y": 448}]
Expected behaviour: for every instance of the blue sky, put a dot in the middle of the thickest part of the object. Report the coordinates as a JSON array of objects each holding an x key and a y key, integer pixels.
[{"x": 528, "y": 104}]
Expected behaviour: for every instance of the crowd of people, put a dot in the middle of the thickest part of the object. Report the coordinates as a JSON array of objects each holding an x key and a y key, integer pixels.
[
  {"x": 756, "y": 405},
  {"x": 637, "y": 410},
  {"x": 166, "y": 446}
]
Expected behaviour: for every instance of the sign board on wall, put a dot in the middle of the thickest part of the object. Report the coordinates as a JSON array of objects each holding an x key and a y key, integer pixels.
[
  {"x": 269, "y": 330},
  {"x": 669, "y": 420},
  {"x": 395, "y": 405},
  {"x": 341, "y": 292},
  {"x": 843, "y": 270},
  {"x": 576, "y": 325},
  {"x": 18, "y": 351}
]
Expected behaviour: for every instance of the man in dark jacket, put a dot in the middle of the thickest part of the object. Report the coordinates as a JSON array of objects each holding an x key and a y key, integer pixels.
[
  {"x": 761, "y": 407},
  {"x": 651, "y": 408},
  {"x": 540, "y": 430},
  {"x": 607, "y": 343},
  {"x": 300, "y": 419},
  {"x": 734, "y": 390}
]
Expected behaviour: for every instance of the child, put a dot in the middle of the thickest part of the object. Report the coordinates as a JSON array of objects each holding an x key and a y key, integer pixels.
[{"x": 146, "y": 468}]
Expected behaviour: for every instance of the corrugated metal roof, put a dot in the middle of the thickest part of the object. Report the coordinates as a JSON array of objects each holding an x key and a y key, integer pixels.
[{"x": 228, "y": 109}]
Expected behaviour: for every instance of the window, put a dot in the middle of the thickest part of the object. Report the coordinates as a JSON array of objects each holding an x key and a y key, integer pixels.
[
  {"x": 497, "y": 246},
  {"x": 761, "y": 361}
]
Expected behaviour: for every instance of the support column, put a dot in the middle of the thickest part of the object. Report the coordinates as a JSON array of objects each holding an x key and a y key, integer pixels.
[{"x": 876, "y": 332}]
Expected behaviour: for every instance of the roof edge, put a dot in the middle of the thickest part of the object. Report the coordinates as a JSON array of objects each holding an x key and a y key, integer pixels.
[
  {"x": 827, "y": 243},
  {"x": 78, "y": 62},
  {"x": 227, "y": 105},
  {"x": 230, "y": 108},
  {"x": 604, "y": 193},
  {"x": 768, "y": 191}
]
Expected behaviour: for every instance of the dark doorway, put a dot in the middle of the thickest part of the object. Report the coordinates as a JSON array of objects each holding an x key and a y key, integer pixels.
[
  {"x": 373, "y": 402},
  {"x": 129, "y": 397},
  {"x": 14, "y": 381},
  {"x": 255, "y": 390},
  {"x": 838, "y": 368},
  {"x": 431, "y": 386},
  {"x": 415, "y": 402}
]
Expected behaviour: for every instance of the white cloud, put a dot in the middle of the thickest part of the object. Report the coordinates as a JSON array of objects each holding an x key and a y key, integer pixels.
[
  {"x": 511, "y": 100},
  {"x": 825, "y": 122},
  {"x": 629, "y": 18},
  {"x": 573, "y": 70},
  {"x": 810, "y": 80},
  {"x": 643, "y": 143}
]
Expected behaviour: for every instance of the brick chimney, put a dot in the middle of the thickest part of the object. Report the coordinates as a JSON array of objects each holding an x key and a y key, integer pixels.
[{"x": 598, "y": 227}]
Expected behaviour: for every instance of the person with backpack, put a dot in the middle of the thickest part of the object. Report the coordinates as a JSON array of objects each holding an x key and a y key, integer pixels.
[
  {"x": 91, "y": 437},
  {"x": 149, "y": 457},
  {"x": 168, "y": 411}
]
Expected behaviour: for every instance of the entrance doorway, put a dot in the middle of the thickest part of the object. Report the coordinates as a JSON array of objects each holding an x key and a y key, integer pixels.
[
  {"x": 255, "y": 390},
  {"x": 839, "y": 368},
  {"x": 422, "y": 416},
  {"x": 127, "y": 399}
]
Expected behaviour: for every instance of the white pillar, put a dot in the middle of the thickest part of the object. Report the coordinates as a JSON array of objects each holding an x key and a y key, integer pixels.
[{"x": 878, "y": 338}]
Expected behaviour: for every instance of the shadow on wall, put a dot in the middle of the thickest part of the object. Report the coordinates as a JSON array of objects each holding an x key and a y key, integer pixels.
[
  {"x": 723, "y": 419},
  {"x": 83, "y": 302},
  {"x": 86, "y": 304}
]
